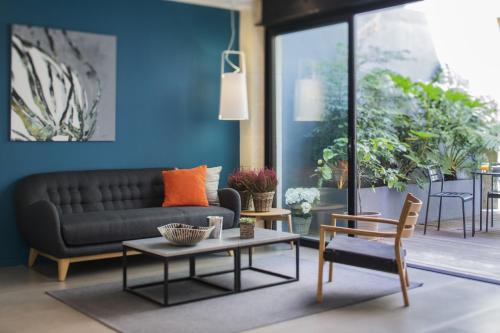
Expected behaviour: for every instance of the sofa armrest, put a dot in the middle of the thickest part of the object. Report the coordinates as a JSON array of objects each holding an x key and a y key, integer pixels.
[
  {"x": 230, "y": 199},
  {"x": 41, "y": 228}
]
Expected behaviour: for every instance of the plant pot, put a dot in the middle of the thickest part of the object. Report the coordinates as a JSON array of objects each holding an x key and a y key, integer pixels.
[
  {"x": 369, "y": 226},
  {"x": 247, "y": 230},
  {"x": 262, "y": 202},
  {"x": 301, "y": 225},
  {"x": 245, "y": 197}
]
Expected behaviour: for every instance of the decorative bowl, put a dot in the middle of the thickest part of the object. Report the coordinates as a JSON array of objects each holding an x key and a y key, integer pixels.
[{"x": 184, "y": 234}]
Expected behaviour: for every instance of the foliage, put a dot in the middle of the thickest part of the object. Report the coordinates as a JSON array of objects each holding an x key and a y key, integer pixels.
[
  {"x": 378, "y": 143},
  {"x": 262, "y": 180},
  {"x": 449, "y": 127},
  {"x": 247, "y": 220},
  {"x": 239, "y": 179},
  {"x": 333, "y": 163},
  {"x": 334, "y": 125},
  {"x": 402, "y": 126}
]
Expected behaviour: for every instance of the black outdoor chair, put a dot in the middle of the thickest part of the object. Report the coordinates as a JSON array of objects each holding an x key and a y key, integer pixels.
[
  {"x": 436, "y": 175},
  {"x": 495, "y": 194}
]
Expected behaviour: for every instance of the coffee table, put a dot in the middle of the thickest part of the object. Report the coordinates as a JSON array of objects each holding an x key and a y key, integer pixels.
[{"x": 163, "y": 250}]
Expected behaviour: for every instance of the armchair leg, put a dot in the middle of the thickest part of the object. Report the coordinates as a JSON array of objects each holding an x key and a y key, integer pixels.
[
  {"x": 330, "y": 271},
  {"x": 319, "y": 290},
  {"x": 407, "y": 278},
  {"x": 62, "y": 269},
  {"x": 403, "y": 281},
  {"x": 403, "y": 289},
  {"x": 32, "y": 257}
]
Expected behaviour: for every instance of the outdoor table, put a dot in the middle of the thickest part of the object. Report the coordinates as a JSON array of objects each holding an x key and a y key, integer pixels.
[{"x": 491, "y": 174}]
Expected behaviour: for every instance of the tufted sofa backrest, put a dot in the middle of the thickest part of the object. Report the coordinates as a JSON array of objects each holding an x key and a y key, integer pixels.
[{"x": 89, "y": 191}]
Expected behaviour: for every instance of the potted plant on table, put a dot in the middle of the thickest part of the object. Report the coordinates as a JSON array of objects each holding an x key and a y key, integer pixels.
[
  {"x": 301, "y": 201},
  {"x": 239, "y": 180},
  {"x": 247, "y": 228},
  {"x": 262, "y": 184}
]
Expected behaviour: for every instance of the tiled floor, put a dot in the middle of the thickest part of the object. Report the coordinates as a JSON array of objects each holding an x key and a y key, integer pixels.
[{"x": 443, "y": 304}]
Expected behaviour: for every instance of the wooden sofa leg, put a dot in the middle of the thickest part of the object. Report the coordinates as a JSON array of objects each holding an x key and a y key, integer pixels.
[
  {"x": 62, "y": 269},
  {"x": 32, "y": 257}
]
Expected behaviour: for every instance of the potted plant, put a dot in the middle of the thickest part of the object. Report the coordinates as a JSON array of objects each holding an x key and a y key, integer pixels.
[
  {"x": 247, "y": 228},
  {"x": 239, "y": 180},
  {"x": 301, "y": 201},
  {"x": 262, "y": 184}
]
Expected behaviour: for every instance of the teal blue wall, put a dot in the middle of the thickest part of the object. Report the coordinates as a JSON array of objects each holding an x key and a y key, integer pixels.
[{"x": 167, "y": 89}]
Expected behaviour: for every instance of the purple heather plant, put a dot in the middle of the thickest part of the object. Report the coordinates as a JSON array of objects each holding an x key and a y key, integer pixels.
[
  {"x": 262, "y": 180},
  {"x": 239, "y": 179}
]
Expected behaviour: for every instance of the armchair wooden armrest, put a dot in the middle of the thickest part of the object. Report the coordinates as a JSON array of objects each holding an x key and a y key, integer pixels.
[
  {"x": 365, "y": 218},
  {"x": 334, "y": 229}
]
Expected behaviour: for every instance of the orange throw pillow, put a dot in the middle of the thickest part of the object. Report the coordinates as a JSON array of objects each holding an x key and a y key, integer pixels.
[{"x": 185, "y": 187}]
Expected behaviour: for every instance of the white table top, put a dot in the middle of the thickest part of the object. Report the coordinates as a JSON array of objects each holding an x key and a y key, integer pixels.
[{"x": 230, "y": 240}]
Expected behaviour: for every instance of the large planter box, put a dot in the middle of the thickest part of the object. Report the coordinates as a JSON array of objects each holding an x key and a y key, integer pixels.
[
  {"x": 389, "y": 202},
  {"x": 330, "y": 200}
]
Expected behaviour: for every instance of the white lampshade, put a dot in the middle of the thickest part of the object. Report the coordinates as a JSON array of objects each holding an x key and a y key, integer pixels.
[
  {"x": 233, "y": 97},
  {"x": 233, "y": 89},
  {"x": 309, "y": 100}
]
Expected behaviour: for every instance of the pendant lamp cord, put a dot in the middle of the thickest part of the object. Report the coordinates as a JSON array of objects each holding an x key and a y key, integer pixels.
[{"x": 231, "y": 41}]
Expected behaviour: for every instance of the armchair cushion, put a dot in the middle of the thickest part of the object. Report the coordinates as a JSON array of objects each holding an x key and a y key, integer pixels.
[{"x": 362, "y": 253}]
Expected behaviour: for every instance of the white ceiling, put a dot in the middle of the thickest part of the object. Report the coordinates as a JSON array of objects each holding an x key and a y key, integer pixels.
[{"x": 227, "y": 4}]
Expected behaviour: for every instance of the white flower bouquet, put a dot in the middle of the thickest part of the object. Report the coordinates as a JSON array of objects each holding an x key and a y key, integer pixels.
[{"x": 301, "y": 200}]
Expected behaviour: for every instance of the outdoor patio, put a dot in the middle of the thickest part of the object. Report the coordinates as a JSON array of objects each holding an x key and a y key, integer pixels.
[{"x": 447, "y": 249}]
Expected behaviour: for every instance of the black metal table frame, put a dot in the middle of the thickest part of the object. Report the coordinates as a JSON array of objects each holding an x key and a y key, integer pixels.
[
  {"x": 199, "y": 277},
  {"x": 481, "y": 174}
]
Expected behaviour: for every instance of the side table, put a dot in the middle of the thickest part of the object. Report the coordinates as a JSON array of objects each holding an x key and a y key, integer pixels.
[{"x": 267, "y": 218}]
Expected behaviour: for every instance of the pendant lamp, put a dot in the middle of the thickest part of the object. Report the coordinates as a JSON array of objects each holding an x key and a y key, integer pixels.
[
  {"x": 233, "y": 90},
  {"x": 233, "y": 103}
]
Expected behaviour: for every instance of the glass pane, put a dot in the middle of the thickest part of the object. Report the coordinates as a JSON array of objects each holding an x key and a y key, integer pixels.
[
  {"x": 427, "y": 95},
  {"x": 310, "y": 117}
]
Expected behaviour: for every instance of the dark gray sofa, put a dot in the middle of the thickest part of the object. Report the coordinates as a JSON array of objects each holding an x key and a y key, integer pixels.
[{"x": 85, "y": 215}]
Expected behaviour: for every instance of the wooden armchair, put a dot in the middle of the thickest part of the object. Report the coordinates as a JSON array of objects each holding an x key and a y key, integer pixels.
[{"x": 368, "y": 253}]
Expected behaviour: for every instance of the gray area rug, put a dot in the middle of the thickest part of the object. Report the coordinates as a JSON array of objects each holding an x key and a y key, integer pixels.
[{"x": 126, "y": 313}]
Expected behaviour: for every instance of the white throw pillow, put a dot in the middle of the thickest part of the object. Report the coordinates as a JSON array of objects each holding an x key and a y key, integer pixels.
[{"x": 212, "y": 185}]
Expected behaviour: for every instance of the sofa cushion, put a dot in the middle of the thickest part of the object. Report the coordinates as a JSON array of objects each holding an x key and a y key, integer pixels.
[
  {"x": 185, "y": 187},
  {"x": 212, "y": 185},
  {"x": 119, "y": 225}
]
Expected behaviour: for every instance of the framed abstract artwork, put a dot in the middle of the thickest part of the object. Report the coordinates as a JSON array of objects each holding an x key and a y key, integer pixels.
[{"x": 63, "y": 85}]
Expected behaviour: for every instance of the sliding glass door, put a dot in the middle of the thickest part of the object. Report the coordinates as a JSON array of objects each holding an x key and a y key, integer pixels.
[
  {"x": 427, "y": 95},
  {"x": 310, "y": 123}
]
